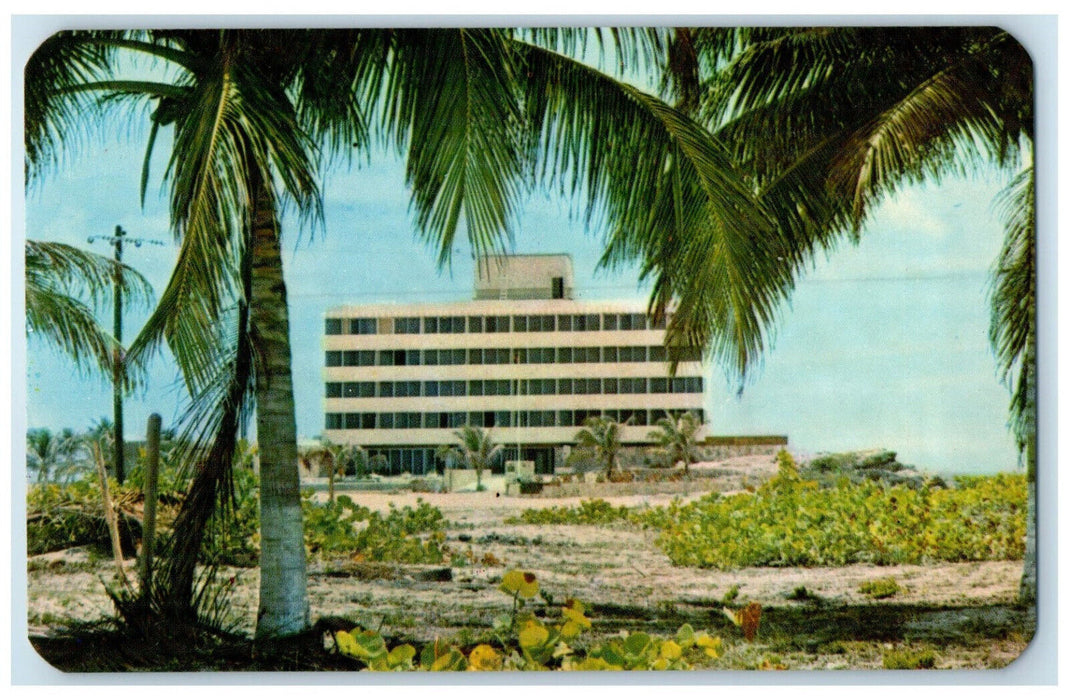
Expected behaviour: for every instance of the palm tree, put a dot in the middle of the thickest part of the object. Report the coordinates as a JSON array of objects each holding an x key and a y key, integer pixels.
[
  {"x": 65, "y": 287},
  {"x": 675, "y": 435},
  {"x": 601, "y": 437},
  {"x": 828, "y": 121},
  {"x": 475, "y": 449},
  {"x": 255, "y": 113}
]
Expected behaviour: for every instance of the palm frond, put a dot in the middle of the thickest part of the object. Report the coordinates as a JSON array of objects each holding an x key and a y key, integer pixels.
[
  {"x": 1013, "y": 304},
  {"x": 449, "y": 95},
  {"x": 670, "y": 197},
  {"x": 65, "y": 286}
]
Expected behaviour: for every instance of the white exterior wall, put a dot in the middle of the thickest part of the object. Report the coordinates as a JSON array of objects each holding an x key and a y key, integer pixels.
[{"x": 432, "y": 437}]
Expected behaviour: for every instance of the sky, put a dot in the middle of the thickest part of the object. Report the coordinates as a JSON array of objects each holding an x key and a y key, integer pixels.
[{"x": 884, "y": 344}]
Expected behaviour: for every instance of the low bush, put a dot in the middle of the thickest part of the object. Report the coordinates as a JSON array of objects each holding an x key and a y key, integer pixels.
[
  {"x": 525, "y": 642},
  {"x": 793, "y": 522},
  {"x": 590, "y": 512},
  {"x": 880, "y": 588}
]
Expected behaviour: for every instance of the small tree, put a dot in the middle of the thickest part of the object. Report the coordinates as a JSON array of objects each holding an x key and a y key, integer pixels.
[
  {"x": 475, "y": 449},
  {"x": 675, "y": 436},
  {"x": 601, "y": 437}
]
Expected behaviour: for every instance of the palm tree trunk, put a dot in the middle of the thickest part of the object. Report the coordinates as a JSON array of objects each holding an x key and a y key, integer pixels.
[
  {"x": 1027, "y": 593},
  {"x": 283, "y": 608}
]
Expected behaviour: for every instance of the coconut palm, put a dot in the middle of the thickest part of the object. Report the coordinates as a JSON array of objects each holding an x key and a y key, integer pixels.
[
  {"x": 48, "y": 453},
  {"x": 65, "y": 287},
  {"x": 830, "y": 120},
  {"x": 675, "y": 435},
  {"x": 475, "y": 449},
  {"x": 601, "y": 438},
  {"x": 254, "y": 113}
]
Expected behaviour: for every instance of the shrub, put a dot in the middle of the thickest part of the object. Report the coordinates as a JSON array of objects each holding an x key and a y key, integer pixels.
[
  {"x": 880, "y": 588},
  {"x": 909, "y": 660},
  {"x": 792, "y": 522}
]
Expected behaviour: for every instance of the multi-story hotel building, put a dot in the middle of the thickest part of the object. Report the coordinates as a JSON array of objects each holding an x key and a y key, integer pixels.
[{"x": 524, "y": 359}]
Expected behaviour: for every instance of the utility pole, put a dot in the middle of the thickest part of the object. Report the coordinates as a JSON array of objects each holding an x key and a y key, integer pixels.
[{"x": 118, "y": 367}]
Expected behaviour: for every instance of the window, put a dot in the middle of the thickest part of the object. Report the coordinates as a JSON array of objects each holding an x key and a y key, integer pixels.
[
  {"x": 334, "y": 390},
  {"x": 412, "y": 358},
  {"x": 475, "y": 387},
  {"x": 475, "y": 324},
  {"x": 406, "y": 389},
  {"x": 657, "y": 353},
  {"x": 385, "y": 420},
  {"x": 367, "y": 421},
  {"x": 519, "y": 324},
  {"x": 335, "y": 421},
  {"x": 538, "y": 387},
  {"x": 635, "y": 353},
  {"x": 497, "y": 387},
  {"x": 632, "y": 322},
  {"x": 497, "y": 324},
  {"x": 610, "y": 322},
  {"x": 565, "y": 386},
  {"x": 430, "y": 388},
  {"x": 543, "y": 323},
  {"x": 430, "y": 325},
  {"x": 352, "y": 421},
  {"x": 476, "y": 419},
  {"x": 588, "y": 386},
  {"x": 610, "y": 354},
  {"x": 386, "y": 390},
  {"x": 564, "y": 322},
  {"x": 587, "y": 355},
  {"x": 454, "y": 387},
  {"x": 407, "y": 420},
  {"x": 541, "y": 419},
  {"x": 503, "y": 418},
  {"x": 541, "y": 356},
  {"x": 451, "y": 324},
  {"x": 564, "y": 355},
  {"x": 558, "y": 288},
  {"x": 475, "y": 356},
  {"x": 451, "y": 357},
  {"x": 609, "y": 385},
  {"x": 679, "y": 385},
  {"x": 361, "y": 390},
  {"x": 334, "y": 358},
  {"x": 496, "y": 356},
  {"x": 430, "y": 357},
  {"x": 633, "y": 385},
  {"x": 406, "y": 325},
  {"x": 354, "y": 358},
  {"x": 333, "y": 326},
  {"x": 658, "y": 385},
  {"x": 565, "y": 418},
  {"x": 362, "y": 326},
  {"x": 456, "y": 420}
]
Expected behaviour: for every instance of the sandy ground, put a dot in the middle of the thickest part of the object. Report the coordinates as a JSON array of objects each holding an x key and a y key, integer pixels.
[{"x": 619, "y": 570}]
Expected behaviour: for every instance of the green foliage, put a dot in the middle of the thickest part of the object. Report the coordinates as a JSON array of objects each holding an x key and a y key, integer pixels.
[
  {"x": 792, "y": 522},
  {"x": 905, "y": 659},
  {"x": 589, "y": 512},
  {"x": 402, "y": 535},
  {"x": 527, "y": 643},
  {"x": 880, "y": 588}
]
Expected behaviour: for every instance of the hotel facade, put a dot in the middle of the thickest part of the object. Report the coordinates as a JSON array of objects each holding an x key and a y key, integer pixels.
[{"x": 524, "y": 359}]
